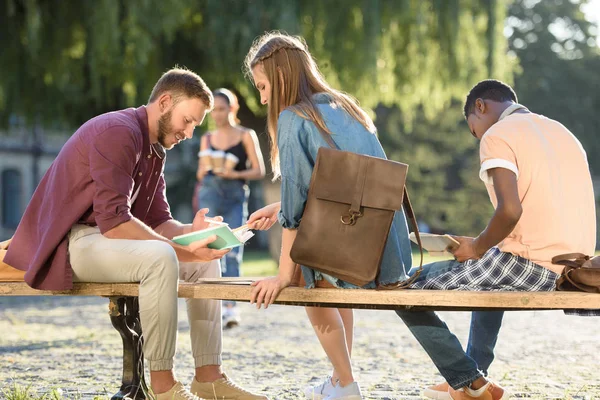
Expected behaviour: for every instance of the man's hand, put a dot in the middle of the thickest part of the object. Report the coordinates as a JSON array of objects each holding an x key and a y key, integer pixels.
[
  {"x": 204, "y": 254},
  {"x": 264, "y": 218},
  {"x": 200, "y": 222},
  {"x": 467, "y": 250},
  {"x": 507, "y": 215},
  {"x": 4, "y": 245},
  {"x": 266, "y": 291}
]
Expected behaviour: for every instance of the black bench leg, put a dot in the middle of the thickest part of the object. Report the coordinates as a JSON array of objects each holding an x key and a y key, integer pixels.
[{"x": 124, "y": 315}]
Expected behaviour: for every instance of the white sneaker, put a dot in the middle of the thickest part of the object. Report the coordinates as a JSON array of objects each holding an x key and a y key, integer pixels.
[
  {"x": 320, "y": 391},
  {"x": 231, "y": 317},
  {"x": 348, "y": 392}
]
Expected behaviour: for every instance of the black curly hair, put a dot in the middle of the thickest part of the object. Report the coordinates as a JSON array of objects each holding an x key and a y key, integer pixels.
[{"x": 489, "y": 89}]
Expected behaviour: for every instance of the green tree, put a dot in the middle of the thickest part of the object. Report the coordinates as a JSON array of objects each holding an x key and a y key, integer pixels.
[
  {"x": 68, "y": 60},
  {"x": 560, "y": 60},
  {"x": 65, "y": 61},
  {"x": 443, "y": 159}
]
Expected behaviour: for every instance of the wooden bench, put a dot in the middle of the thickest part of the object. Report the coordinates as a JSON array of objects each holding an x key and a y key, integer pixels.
[{"x": 124, "y": 311}]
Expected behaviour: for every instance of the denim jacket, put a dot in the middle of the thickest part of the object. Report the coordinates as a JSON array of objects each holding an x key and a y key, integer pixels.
[{"x": 298, "y": 141}]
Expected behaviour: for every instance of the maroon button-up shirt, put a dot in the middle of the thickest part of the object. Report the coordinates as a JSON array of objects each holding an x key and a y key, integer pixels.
[{"x": 106, "y": 173}]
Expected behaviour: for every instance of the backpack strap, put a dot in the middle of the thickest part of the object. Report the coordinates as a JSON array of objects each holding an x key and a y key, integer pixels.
[
  {"x": 411, "y": 216},
  {"x": 562, "y": 258}
]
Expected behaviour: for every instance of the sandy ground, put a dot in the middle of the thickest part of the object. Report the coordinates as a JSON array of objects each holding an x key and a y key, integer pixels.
[{"x": 69, "y": 343}]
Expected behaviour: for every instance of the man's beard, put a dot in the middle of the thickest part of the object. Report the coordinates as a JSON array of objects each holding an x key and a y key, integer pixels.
[{"x": 165, "y": 128}]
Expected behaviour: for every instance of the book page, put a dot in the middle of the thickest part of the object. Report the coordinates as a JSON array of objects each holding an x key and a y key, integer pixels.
[
  {"x": 243, "y": 233},
  {"x": 436, "y": 244},
  {"x": 226, "y": 238}
]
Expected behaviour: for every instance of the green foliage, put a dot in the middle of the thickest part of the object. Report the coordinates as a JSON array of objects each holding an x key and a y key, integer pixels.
[
  {"x": 443, "y": 159},
  {"x": 260, "y": 263},
  {"x": 64, "y": 62},
  {"x": 18, "y": 392},
  {"x": 557, "y": 77},
  {"x": 560, "y": 61},
  {"x": 560, "y": 58},
  {"x": 67, "y": 61},
  {"x": 410, "y": 61}
]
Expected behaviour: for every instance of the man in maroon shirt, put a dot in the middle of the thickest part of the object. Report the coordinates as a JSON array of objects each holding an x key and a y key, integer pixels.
[{"x": 100, "y": 214}]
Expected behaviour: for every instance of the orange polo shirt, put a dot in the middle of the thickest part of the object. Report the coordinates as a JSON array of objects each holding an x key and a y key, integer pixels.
[{"x": 554, "y": 183}]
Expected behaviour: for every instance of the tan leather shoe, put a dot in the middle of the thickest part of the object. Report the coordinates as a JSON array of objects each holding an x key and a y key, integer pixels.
[
  {"x": 223, "y": 389},
  {"x": 177, "y": 392},
  {"x": 491, "y": 392}
]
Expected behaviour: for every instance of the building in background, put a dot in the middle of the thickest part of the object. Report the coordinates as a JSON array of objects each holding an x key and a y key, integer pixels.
[{"x": 25, "y": 155}]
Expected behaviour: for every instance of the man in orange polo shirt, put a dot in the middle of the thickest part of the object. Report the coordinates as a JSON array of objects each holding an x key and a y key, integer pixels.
[{"x": 539, "y": 182}]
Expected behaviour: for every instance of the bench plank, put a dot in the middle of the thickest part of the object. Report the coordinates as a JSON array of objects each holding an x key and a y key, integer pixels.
[
  {"x": 79, "y": 289},
  {"x": 357, "y": 298}
]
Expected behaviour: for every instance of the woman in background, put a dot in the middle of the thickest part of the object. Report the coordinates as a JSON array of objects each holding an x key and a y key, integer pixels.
[{"x": 224, "y": 191}]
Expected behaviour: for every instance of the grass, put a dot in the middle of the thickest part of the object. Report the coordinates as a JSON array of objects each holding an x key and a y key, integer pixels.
[
  {"x": 18, "y": 392},
  {"x": 260, "y": 263}
]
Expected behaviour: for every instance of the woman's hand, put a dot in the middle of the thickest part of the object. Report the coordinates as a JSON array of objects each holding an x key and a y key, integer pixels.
[
  {"x": 264, "y": 218},
  {"x": 227, "y": 174},
  {"x": 266, "y": 291},
  {"x": 201, "y": 173}
]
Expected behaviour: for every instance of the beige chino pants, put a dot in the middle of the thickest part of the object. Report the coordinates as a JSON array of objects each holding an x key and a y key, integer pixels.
[{"x": 95, "y": 258}]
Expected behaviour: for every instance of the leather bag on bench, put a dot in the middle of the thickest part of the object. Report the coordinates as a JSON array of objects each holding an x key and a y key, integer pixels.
[{"x": 581, "y": 273}]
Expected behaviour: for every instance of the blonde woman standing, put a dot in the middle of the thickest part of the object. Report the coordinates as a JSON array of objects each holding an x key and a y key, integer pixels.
[{"x": 301, "y": 105}]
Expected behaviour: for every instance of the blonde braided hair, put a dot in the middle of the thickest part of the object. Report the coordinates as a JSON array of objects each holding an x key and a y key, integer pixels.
[
  {"x": 274, "y": 50},
  {"x": 294, "y": 78}
]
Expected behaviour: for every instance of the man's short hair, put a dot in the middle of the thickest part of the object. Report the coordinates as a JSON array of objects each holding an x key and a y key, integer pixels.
[
  {"x": 489, "y": 89},
  {"x": 182, "y": 83}
]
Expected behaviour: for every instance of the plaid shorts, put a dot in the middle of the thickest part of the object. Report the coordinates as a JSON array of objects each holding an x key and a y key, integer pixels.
[{"x": 495, "y": 271}]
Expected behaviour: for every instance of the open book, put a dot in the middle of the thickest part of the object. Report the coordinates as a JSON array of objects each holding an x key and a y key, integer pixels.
[
  {"x": 227, "y": 238},
  {"x": 436, "y": 245}
]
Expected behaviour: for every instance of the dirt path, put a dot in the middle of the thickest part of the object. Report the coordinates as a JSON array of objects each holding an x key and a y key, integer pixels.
[{"x": 69, "y": 343}]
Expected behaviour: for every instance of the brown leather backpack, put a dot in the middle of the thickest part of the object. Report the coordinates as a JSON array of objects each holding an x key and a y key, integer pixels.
[
  {"x": 349, "y": 211},
  {"x": 581, "y": 273}
]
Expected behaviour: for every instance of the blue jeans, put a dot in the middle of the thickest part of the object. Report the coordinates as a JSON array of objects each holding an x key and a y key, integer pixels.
[
  {"x": 457, "y": 367},
  {"x": 229, "y": 199}
]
